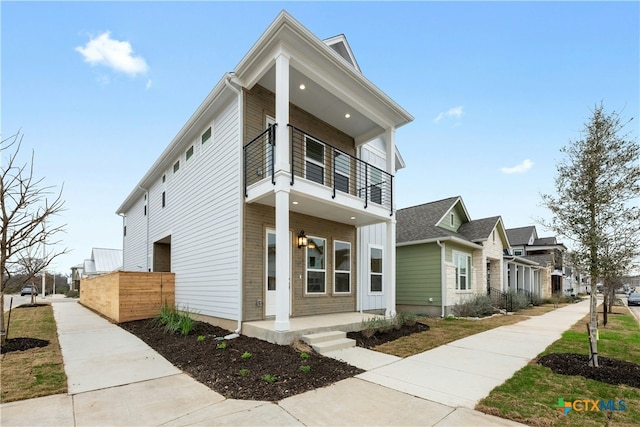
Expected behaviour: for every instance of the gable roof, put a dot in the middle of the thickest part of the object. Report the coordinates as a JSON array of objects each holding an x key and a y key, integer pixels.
[
  {"x": 418, "y": 223},
  {"x": 520, "y": 236},
  {"x": 106, "y": 260},
  {"x": 479, "y": 229},
  {"x": 340, "y": 45}
]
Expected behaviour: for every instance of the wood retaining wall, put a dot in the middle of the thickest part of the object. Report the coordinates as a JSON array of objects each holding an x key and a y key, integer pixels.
[{"x": 123, "y": 296}]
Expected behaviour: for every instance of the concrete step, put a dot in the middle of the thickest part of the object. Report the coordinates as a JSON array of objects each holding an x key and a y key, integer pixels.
[
  {"x": 328, "y": 341},
  {"x": 323, "y": 336}
]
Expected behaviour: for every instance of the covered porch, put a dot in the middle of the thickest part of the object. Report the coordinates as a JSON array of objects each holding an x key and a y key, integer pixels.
[{"x": 299, "y": 326}]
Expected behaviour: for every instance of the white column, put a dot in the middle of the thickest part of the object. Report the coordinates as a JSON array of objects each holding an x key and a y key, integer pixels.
[
  {"x": 282, "y": 188},
  {"x": 390, "y": 248}
]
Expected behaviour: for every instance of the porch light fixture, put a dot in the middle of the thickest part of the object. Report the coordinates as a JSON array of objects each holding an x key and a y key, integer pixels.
[
  {"x": 302, "y": 86},
  {"x": 302, "y": 239},
  {"x": 346, "y": 116}
]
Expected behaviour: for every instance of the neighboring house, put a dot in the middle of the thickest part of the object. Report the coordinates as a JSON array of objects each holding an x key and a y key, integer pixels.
[
  {"x": 276, "y": 198},
  {"x": 444, "y": 258},
  {"x": 102, "y": 261},
  {"x": 76, "y": 275},
  {"x": 546, "y": 251}
]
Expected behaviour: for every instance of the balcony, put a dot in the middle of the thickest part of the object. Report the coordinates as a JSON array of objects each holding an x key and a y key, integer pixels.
[{"x": 329, "y": 177}]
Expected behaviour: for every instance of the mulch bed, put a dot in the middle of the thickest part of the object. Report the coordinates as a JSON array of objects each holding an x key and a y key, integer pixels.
[
  {"x": 221, "y": 369},
  {"x": 610, "y": 371},
  {"x": 383, "y": 337},
  {"x": 22, "y": 344}
]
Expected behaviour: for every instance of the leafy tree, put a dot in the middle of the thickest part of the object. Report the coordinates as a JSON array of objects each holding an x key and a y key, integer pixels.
[
  {"x": 24, "y": 211},
  {"x": 595, "y": 207}
]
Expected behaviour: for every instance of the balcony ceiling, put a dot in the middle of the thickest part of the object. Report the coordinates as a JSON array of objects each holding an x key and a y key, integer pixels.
[{"x": 321, "y": 103}]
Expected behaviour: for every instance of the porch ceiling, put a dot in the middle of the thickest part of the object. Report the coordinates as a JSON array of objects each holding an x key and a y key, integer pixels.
[{"x": 323, "y": 104}]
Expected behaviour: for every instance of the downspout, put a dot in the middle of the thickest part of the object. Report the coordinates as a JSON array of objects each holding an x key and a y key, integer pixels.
[
  {"x": 236, "y": 333},
  {"x": 443, "y": 278}
]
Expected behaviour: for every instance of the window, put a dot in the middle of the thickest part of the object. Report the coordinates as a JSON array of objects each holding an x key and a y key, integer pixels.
[
  {"x": 451, "y": 219},
  {"x": 342, "y": 171},
  {"x": 176, "y": 166},
  {"x": 206, "y": 136},
  {"x": 342, "y": 267},
  {"x": 314, "y": 160},
  {"x": 375, "y": 187},
  {"x": 517, "y": 252},
  {"x": 189, "y": 153},
  {"x": 164, "y": 179},
  {"x": 164, "y": 199},
  {"x": 316, "y": 277},
  {"x": 375, "y": 283},
  {"x": 462, "y": 263},
  {"x": 145, "y": 205}
]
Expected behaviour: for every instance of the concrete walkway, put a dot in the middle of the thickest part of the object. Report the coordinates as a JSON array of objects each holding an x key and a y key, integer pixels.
[{"x": 115, "y": 379}]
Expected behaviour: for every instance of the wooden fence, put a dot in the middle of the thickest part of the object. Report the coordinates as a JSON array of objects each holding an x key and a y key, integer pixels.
[{"x": 123, "y": 296}]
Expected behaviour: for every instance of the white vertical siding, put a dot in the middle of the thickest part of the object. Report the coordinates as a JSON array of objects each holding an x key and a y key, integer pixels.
[
  {"x": 372, "y": 234},
  {"x": 202, "y": 215}
]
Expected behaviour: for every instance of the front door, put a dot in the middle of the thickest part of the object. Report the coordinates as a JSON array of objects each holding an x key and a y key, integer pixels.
[{"x": 270, "y": 274}]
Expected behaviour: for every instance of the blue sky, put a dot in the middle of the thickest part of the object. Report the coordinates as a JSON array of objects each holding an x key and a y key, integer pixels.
[{"x": 496, "y": 89}]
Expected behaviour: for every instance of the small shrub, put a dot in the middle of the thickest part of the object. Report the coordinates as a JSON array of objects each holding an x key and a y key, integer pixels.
[
  {"x": 407, "y": 318},
  {"x": 246, "y": 355},
  {"x": 201, "y": 338},
  {"x": 269, "y": 378},
  {"x": 304, "y": 355},
  {"x": 174, "y": 320},
  {"x": 477, "y": 306},
  {"x": 222, "y": 345},
  {"x": 72, "y": 294},
  {"x": 244, "y": 372},
  {"x": 305, "y": 368}
]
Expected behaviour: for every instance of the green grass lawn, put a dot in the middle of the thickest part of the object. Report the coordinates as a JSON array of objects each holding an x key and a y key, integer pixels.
[
  {"x": 38, "y": 371},
  {"x": 531, "y": 395}
]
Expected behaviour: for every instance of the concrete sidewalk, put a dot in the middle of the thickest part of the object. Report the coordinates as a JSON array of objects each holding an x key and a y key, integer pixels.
[{"x": 115, "y": 379}]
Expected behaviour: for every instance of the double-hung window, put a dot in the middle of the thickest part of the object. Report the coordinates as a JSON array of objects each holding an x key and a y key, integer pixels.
[
  {"x": 342, "y": 171},
  {"x": 375, "y": 270},
  {"x": 375, "y": 185},
  {"x": 314, "y": 160},
  {"x": 462, "y": 263},
  {"x": 342, "y": 267},
  {"x": 316, "y": 265}
]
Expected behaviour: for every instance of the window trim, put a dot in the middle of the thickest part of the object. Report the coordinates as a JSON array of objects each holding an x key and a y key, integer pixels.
[
  {"x": 335, "y": 270},
  {"x": 308, "y": 269},
  {"x": 204, "y": 142},
  {"x": 370, "y": 273},
  {"x": 176, "y": 166},
  {"x": 469, "y": 266},
  {"x": 313, "y": 161}
]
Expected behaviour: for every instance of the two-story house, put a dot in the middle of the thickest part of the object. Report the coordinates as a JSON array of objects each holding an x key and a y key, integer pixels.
[
  {"x": 445, "y": 258},
  {"x": 276, "y": 198},
  {"x": 546, "y": 252}
]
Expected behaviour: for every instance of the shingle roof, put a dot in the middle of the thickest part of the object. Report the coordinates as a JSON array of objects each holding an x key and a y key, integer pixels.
[
  {"x": 478, "y": 229},
  {"x": 419, "y": 222},
  {"x": 520, "y": 236},
  {"x": 545, "y": 241}
]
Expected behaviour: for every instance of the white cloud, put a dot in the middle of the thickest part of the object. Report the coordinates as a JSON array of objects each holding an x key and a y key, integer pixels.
[
  {"x": 520, "y": 168},
  {"x": 455, "y": 112},
  {"x": 115, "y": 54}
]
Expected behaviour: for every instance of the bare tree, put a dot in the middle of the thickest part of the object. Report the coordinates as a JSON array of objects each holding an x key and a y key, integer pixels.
[
  {"x": 25, "y": 209},
  {"x": 598, "y": 185}
]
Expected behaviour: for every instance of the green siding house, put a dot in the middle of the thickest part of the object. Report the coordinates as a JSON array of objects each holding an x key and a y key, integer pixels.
[{"x": 443, "y": 257}]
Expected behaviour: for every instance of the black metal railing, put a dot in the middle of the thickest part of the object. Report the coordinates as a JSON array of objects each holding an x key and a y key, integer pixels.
[
  {"x": 502, "y": 300},
  {"x": 259, "y": 158},
  {"x": 316, "y": 160}
]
